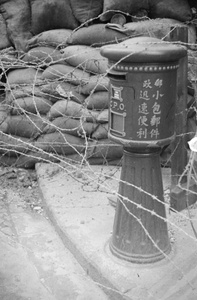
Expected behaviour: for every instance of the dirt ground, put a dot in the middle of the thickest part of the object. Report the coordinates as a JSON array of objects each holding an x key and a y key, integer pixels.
[{"x": 34, "y": 263}]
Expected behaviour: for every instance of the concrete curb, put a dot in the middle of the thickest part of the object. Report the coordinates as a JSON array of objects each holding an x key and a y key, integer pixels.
[{"x": 83, "y": 218}]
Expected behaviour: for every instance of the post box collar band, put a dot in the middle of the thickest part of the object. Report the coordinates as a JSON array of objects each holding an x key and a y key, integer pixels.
[
  {"x": 143, "y": 67},
  {"x": 141, "y": 144}
]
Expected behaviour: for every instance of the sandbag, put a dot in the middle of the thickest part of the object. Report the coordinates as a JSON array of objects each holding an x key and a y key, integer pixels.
[
  {"x": 104, "y": 161},
  {"x": 94, "y": 84},
  {"x": 104, "y": 149},
  {"x": 29, "y": 126},
  {"x": 103, "y": 116},
  {"x": 110, "y": 7},
  {"x": 4, "y": 40},
  {"x": 14, "y": 145},
  {"x": 98, "y": 100},
  {"x": 158, "y": 28},
  {"x": 51, "y": 14},
  {"x": 35, "y": 105},
  {"x": 4, "y": 112},
  {"x": 85, "y": 57},
  {"x": 60, "y": 143},
  {"x": 24, "y": 76},
  {"x": 8, "y": 58},
  {"x": 95, "y": 35},
  {"x": 7, "y": 160},
  {"x": 66, "y": 73},
  {"x": 54, "y": 38},
  {"x": 77, "y": 158},
  {"x": 101, "y": 132},
  {"x": 72, "y": 109},
  {"x": 4, "y": 126},
  {"x": 22, "y": 91},
  {"x": 43, "y": 56},
  {"x": 74, "y": 158},
  {"x": 72, "y": 126},
  {"x": 192, "y": 68},
  {"x": 29, "y": 159},
  {"x": 17, "y": 15},
  {"x": 85, "y": 10},
  {"x": 59, "y": 90},
  {"x": 192, "y": 3},
  {"x": 175, "y": 9}
]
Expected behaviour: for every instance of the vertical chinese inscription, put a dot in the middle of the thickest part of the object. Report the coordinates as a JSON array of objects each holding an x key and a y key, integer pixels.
[{"x": 149, "y": 109}]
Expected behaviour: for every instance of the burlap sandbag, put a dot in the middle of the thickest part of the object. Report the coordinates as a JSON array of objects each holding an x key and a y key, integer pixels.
[
  {"x": 95, "y": 35},
  {"x": 192, "y": 70},
  {"x": 94, "y": 84},
  {"x": 192, "y": 3},
  {"x": 104, "y": 149},
  {"x": 29, "y": 90},
  {"x": 101, "y": 132},
  {"x": 22, "y": 91},
  {"x": 35, "y": 105},
  {"x": 17, "y": 14},
  {"x": 98, "y": 100},
  {"x": 51, "y": 14},
  {"x": 85, "y": 10},
  {"x": 24, "y": 76},
  {"x": 77, "y": 158},
  {"x": 58, "y": 90},
  {"x": 4, "y": 126},
  {"x": 8, "y": 58},
  {"x": 54, "y": 37},
  {"x": 66, "y": 73},
  {"x": 110, "y": 7},
  {"x": 29, "y": 126},
  {"x": 4, "y": 40},
  {"x": 85, "y": 57},
  {"x": 4, "y": 114},
  {"x": 43, "y": 55},
  {"x": 175, "y": 9},
  {"x": 72, "y": 109},
  {"x": 29, "y": 159},
  {"x": 13, "y": 145},
  {"x": 105, "y": 161},
  {"x": 72, "y": 126},
  {"x": 103, "y": 116},
  {"x": 158, "y": 28},
  {"x": 7, "y": 160},
  {"x": 4, "y": 111},
  {"x": 60, "y": 143}
]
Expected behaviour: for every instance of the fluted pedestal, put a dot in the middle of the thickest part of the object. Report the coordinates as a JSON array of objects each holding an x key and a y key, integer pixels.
[{"x": 140, "y": 233}]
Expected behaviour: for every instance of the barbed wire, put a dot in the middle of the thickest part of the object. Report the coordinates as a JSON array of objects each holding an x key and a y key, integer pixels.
[{"x": 71, "y": 146}]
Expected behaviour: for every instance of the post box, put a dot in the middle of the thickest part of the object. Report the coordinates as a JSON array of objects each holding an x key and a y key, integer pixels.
[{"x": 143, "y": 91}]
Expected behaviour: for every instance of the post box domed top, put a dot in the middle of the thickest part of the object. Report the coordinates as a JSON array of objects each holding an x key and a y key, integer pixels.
[{"x": 144, "y": 50}]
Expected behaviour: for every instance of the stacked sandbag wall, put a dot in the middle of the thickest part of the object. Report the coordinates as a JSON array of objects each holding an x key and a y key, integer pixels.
[
  {"x": 55, "y": 80},
  {"x": 57, "y": 103}
]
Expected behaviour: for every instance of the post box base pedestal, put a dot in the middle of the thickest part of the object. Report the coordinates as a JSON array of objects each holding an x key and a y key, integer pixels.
[
  {"x": 139, "y": 259},
  {"x": 140, "y": 233}
]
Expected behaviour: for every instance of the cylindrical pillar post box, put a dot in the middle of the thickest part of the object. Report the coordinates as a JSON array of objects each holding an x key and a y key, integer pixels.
[{"x": 143, "y": 81}]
